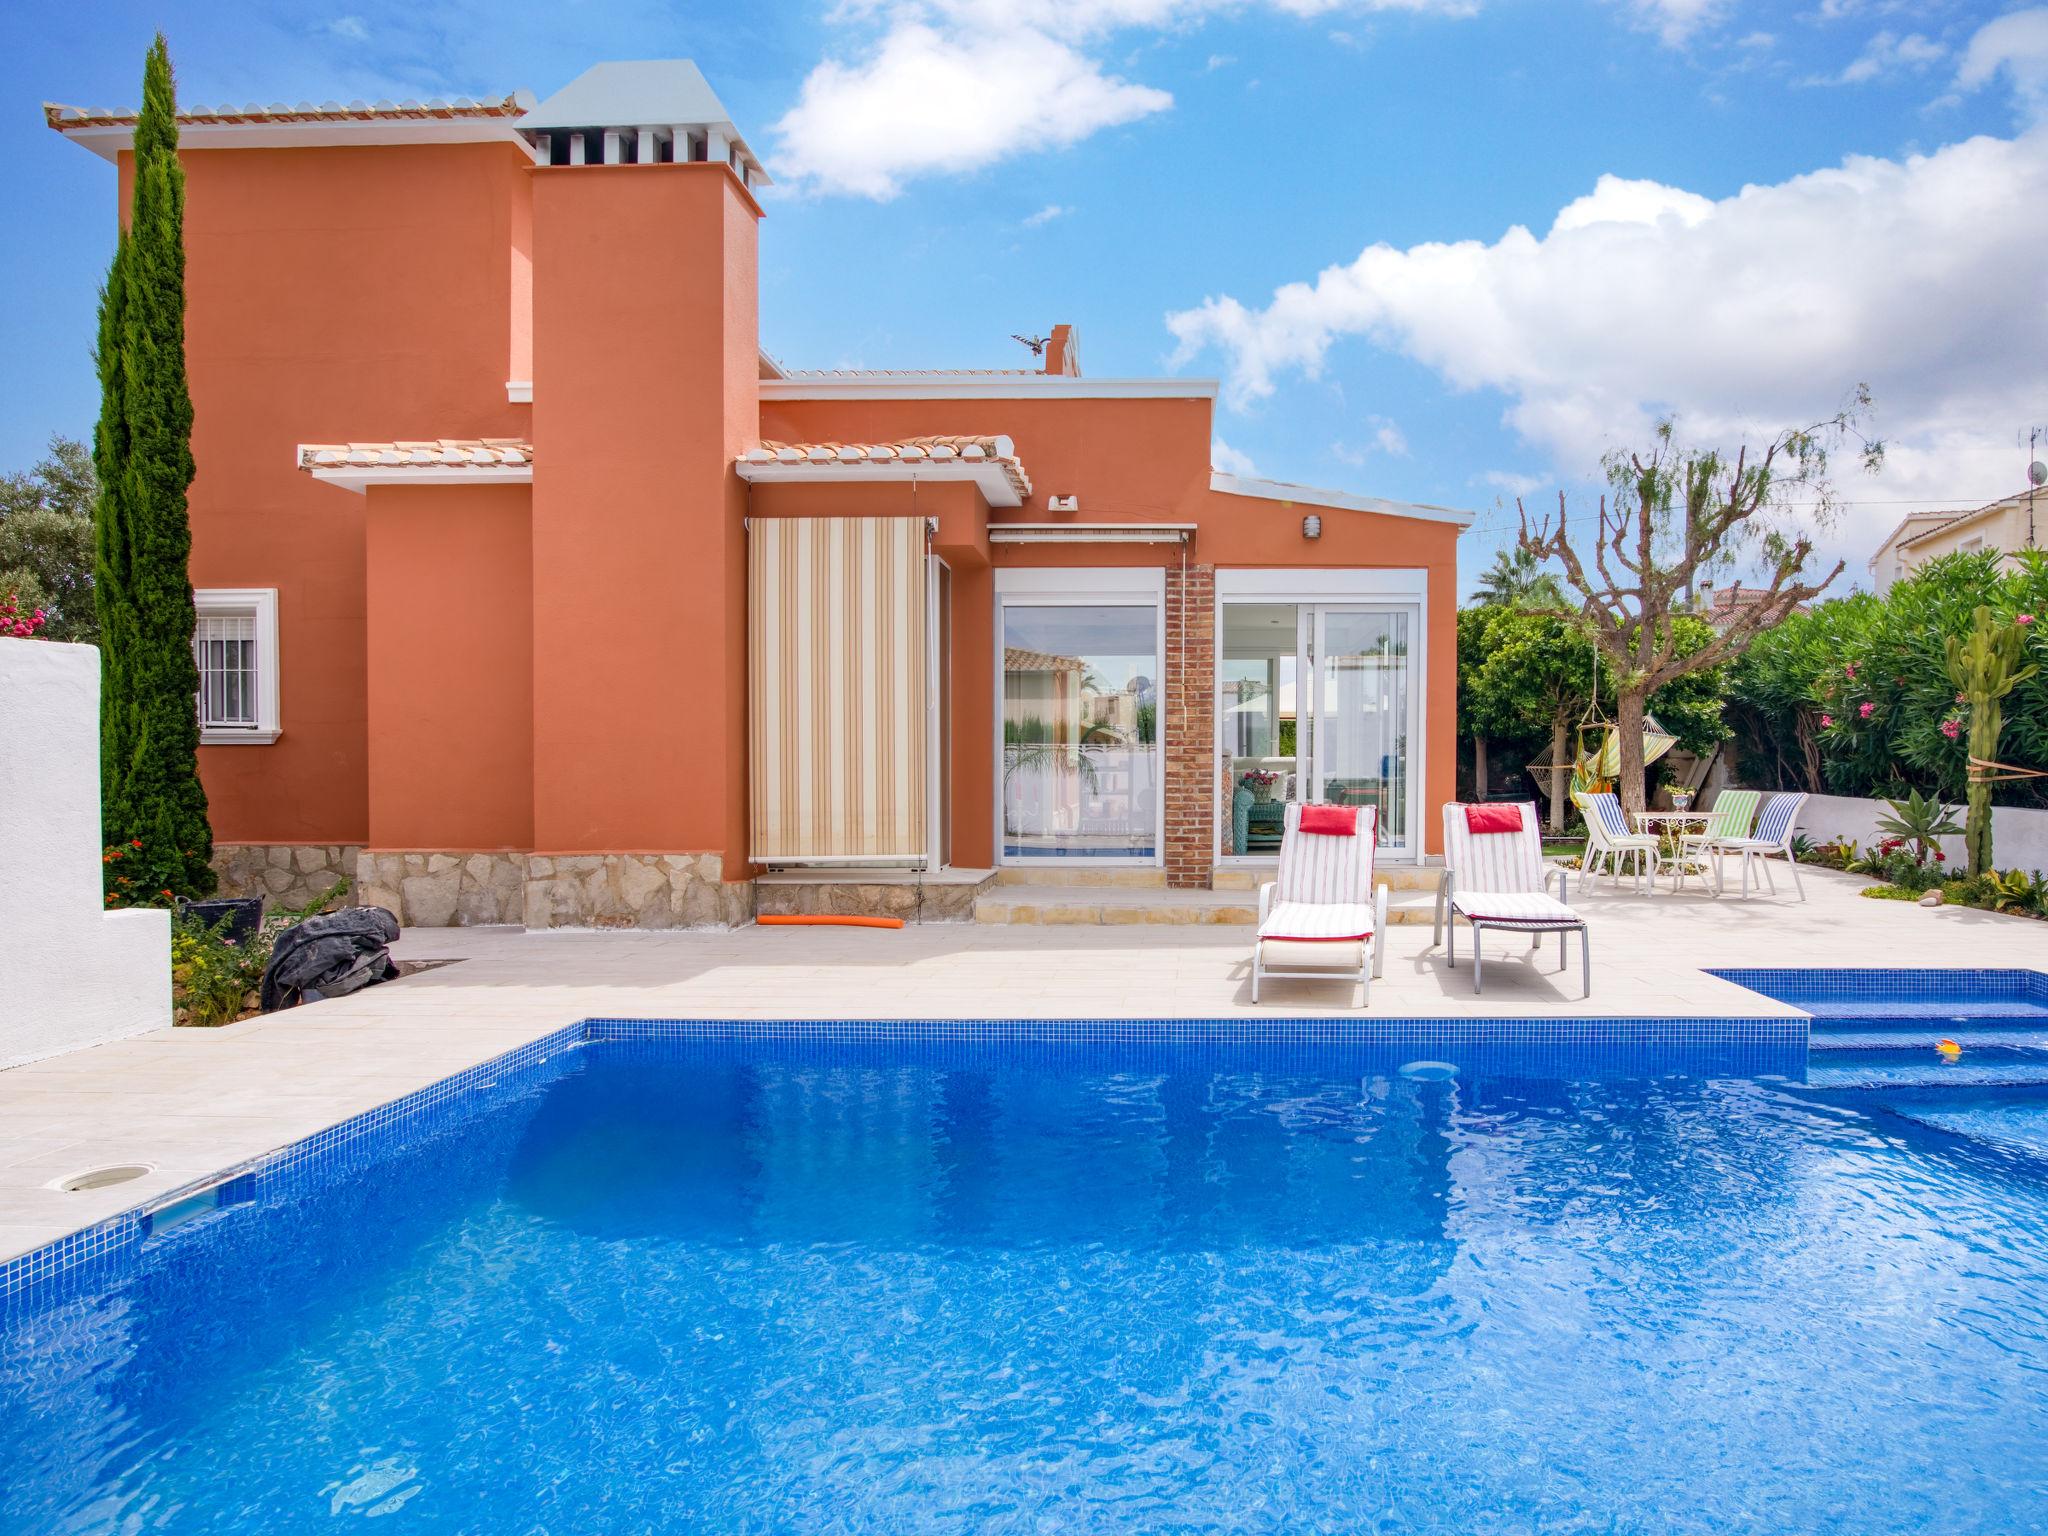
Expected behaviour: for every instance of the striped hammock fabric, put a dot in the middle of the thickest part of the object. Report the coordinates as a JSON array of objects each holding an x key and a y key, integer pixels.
[{"x": 836, "y": 689}]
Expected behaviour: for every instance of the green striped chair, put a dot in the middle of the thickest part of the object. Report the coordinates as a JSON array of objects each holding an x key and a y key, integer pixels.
[{"x": 1729, "y": 821}]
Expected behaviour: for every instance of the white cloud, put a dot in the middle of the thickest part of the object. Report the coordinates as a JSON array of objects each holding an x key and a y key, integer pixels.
[
  {"x": 1676, "y": 22},
  {"x": 1743, "y": 315},
  {"x": 1387, "y": 438},
  {"x": 926, "y": 102},
  {"x": 350, "y": 27},
  {"x": 1229, "y": 460},
  {"x": 1887, "y": 53},
  {"x": 1513, "y": 485},
  {"x": 2017, "y": 46},
  {"x": 936, "y": 87},
  {"x": 1046, "y": 215}
]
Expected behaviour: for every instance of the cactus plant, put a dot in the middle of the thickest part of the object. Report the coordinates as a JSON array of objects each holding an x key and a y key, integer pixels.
[{"x": 1985, "y": 668}]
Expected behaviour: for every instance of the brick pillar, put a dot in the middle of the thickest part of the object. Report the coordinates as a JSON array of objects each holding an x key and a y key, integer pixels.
[{"x": 1190, "y": 726}]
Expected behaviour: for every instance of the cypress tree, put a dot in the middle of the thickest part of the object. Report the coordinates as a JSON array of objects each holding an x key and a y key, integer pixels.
[{"x": 150, "y": 792}]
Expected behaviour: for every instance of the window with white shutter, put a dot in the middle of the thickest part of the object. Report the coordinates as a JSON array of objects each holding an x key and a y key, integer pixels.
[{"x": 235, "y": 645}]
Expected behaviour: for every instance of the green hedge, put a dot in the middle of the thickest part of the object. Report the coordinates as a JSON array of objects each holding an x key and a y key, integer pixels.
[{"x": 1854, "y": 697}]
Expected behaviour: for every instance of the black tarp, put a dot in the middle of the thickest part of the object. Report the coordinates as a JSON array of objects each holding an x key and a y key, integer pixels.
[{"x": 330, "y": 955}]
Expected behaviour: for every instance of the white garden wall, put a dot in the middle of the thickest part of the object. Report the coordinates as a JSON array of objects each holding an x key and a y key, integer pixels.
[
  {"x": 2019, "y": 837},
  {"x": 71, "y": 973}
]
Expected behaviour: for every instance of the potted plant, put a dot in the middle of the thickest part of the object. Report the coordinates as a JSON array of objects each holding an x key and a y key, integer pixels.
[{"x": 1260, "y": 781}]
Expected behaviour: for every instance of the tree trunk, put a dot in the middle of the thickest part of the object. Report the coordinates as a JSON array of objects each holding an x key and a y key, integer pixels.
[
  {"x": 1479, "y": 768},
  {"x": 1560, "y": 773},
  {"x": 1628, "y": 726}
]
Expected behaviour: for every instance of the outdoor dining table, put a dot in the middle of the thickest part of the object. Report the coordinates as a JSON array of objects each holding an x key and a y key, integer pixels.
[{"x": 1669, "y": 827}]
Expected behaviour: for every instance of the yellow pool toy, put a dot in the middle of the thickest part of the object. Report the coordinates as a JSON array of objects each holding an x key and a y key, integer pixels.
[{"x": 1948, "y": 1049}]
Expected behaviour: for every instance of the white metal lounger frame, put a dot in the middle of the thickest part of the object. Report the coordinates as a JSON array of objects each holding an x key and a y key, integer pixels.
[
  {"x": 1525, "y": 874},
  {"x": 1370, "y": 961}
]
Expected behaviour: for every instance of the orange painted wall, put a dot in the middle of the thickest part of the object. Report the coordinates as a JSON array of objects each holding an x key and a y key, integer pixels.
[
  {"x": 331, "y": 294},
  {"x": 450, "y": 648},
  {"x": 646, "y": 369},
  {"x": 1133, "y": 460}
]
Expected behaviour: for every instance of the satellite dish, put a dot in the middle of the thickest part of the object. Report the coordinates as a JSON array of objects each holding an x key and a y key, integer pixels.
[{"x": 2037, "y": 473}]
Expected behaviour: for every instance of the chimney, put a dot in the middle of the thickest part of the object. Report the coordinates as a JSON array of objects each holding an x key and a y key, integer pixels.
[
  {"x": 1063, "y": 352},
  {"x": 643, "y": 112}
]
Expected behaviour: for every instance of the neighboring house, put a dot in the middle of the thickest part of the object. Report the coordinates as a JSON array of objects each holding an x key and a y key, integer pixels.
[
  {"x": 2015, "y": 523},
  {"x": 1720, "y": 606},
  {"x": 531, "y": 590}
]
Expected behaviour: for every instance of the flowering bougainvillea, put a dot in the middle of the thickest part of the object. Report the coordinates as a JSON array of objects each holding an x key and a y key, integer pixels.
[{"x": 15, "y": 624}]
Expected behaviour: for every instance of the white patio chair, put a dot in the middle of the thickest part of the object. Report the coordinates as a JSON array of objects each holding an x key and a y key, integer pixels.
[
  {"x": 1608, "y": 838},
  {"x": 1322, "y": 917},
  {"x": 1775, "y": 825},
  {"x": 1499, "y": 880},
  {"x": 1729, "y": 819}
]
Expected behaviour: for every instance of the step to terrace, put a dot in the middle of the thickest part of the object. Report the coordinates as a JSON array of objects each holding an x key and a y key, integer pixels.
[
  {"x": 1110, "y": 906},
  {"x": 1399, "y": 877}
]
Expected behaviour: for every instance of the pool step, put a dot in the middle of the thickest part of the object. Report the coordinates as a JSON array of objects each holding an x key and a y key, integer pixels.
[{"x": 1068, "y": 905}]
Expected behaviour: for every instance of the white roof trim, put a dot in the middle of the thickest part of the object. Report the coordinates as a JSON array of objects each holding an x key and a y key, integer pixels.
[
  {"x": 360, "y": 477},
  {"x": 519, "y": 391},
  {"x": 970, "y": 386},
  {"x": 995, "y": 485},
  {"x": 109, "y": 139},
  {"x": 1090, "y": 533},
  {"x": 1313, "y": 496}
]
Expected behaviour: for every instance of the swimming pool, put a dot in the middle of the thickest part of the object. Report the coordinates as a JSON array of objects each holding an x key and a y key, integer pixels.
[{"x": 638, "y": 1278}]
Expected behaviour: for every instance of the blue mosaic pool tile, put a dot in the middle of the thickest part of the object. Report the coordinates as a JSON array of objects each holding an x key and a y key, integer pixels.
[
  {"x": 101, "y": 1255},
  {"x": 2008, "y": 989}
]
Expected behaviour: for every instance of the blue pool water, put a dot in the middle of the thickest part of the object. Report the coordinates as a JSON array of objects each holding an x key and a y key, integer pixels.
[{"x": 691, "y": 1285}]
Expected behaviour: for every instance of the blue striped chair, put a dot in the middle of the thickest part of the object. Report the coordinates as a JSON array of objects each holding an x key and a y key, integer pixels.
[
  {"x": 1772, "y": 835},
  {"x": 1609, "y": 839}
]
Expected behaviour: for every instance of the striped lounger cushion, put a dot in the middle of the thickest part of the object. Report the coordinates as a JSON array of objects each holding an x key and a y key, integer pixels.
[
  {"x": 1526, "y": 908},
  {"x": 1319, "y": 922}
]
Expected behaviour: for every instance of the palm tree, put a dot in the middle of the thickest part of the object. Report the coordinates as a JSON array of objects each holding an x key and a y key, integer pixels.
[{"x": 1517, "y": 580}]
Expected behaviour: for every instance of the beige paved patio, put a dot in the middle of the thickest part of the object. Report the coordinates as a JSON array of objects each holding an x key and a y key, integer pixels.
[{"x": 191, "y": 1102}]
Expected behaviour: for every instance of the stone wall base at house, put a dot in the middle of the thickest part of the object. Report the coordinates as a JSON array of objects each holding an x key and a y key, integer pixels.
[
  {"x": 283, "y": 874},
  {"x": 428, "y": 889},
  {"x": 634, "y": 890},
  {"x": 443, "y": 890},
  {"x": 946, "y": 896}
]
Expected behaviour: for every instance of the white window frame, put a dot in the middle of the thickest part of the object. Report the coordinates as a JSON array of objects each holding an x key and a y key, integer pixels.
[
  {"x": 1080, "y": 587},
  {"x": 258, "y": 604},
  {"x": 1319, "y": 587}
]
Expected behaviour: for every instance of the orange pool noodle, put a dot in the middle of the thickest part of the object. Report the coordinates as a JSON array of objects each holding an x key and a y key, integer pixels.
[{"x": 830, "y": 922}]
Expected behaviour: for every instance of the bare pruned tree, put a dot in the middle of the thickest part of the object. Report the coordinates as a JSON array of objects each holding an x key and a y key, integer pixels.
[{"x": 1680, "y": 515}]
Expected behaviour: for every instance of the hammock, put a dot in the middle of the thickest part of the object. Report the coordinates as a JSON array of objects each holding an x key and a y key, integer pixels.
[{"x": 1595, "y": 772}]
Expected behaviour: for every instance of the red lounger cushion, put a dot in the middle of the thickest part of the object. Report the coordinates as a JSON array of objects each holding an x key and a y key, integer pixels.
[
  {"x": 1491, "y": 818},
  {"x": 1332, "y": 820}
]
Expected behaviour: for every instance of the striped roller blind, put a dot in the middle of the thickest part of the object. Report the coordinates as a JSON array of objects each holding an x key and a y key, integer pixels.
[{"x": 836, "y": 688}]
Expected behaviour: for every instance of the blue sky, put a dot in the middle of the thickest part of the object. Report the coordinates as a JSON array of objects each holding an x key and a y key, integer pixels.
[{"x": 1317, "y": 201}]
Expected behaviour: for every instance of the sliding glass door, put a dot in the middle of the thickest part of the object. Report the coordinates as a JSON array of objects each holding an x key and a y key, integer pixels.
[
  {"x": 1080, "y": 759},
  {"x": 1362, "y": 713},
  {"x": 1315, "y": 702}
]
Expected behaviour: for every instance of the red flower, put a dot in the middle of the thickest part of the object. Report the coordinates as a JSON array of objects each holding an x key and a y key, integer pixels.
[
  {"x": 1826, "y": 721},
  {"x": 1940, "y": 857},
  {"x": 135, "y": 842}
]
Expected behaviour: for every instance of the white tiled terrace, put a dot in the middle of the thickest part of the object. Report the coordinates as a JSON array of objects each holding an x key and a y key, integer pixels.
[{"x": 191, "y": 1102}]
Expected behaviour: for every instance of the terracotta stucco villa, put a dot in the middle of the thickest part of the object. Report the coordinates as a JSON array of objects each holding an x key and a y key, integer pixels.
[{"x": 532, "y": 590}]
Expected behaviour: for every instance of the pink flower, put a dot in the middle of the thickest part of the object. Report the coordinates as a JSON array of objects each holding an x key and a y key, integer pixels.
[
  {"x": 1826, "y": 721},
  {"x": 1961, "y": 700},
  {"x": 2024, "y": 618},
  {"x": 1951, "y": 728},
  {"x": 1865, "y": 709},
  {"x": 1849, "y": 670}
]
